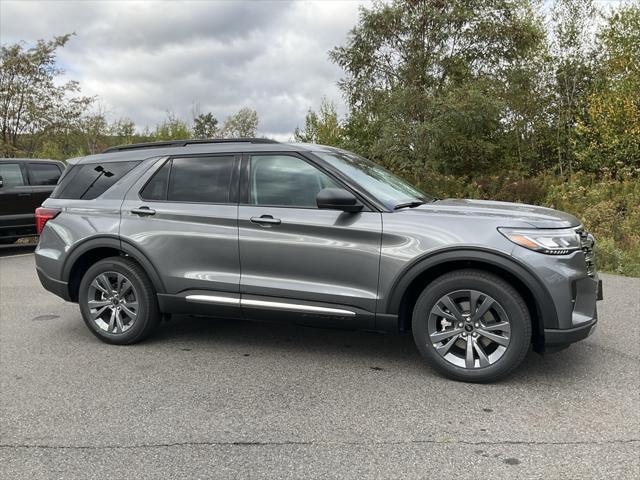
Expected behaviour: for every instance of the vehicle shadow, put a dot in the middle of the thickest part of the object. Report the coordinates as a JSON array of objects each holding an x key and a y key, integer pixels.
[{"x": 379, "y": 351}]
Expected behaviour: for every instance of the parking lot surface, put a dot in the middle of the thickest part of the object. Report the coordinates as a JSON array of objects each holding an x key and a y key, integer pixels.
[{"x": 209, "y": 398}]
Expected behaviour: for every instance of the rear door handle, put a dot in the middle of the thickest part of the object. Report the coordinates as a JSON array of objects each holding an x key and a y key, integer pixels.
[
  {"x": 24, "y": 194},
  {"x": 142, "y": 211},
  {"x": 266, "y": 220}
]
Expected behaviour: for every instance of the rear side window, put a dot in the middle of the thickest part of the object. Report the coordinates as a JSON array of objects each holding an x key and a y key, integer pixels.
[
  {"x": 192, "y": 180},
  {"x": 11, "y": 174},
  {"x": 43, "y": 173},
  {"x": 86, "y": 182}
]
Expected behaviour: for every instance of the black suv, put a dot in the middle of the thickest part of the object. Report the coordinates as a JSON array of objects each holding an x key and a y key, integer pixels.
[{"x": 24, "y": 185}]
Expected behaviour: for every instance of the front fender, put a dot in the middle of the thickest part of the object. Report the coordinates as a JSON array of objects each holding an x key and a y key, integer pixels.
[{"x": 497, "y": 261}]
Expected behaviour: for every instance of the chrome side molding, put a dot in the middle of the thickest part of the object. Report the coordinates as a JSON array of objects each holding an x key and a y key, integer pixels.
[
  {"x": 212, "y": 299},
  {"x": 296, "y": 307}
]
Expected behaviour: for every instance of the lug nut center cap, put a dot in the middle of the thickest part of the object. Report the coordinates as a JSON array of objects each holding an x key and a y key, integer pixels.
[{"x": 468, "y": 327}]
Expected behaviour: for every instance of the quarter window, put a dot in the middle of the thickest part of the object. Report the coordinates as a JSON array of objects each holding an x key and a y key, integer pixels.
[
  {"x": 43, "y": 173},
  {"x": 283, "y": 180},
  {"x": 89, "y": 181},
  {"x": 156, "y": 189},
  {"x": 11, "y": 174}
]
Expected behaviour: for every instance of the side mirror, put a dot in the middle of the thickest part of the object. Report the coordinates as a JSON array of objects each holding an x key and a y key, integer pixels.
[
  {"x": 338, "y": 199},
  {"x": 1, "y": 181}
]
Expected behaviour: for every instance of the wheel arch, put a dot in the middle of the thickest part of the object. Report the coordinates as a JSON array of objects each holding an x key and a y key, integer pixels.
[
  {"x": 412, "y": 281},
  {"x": 94, "y": 249}
]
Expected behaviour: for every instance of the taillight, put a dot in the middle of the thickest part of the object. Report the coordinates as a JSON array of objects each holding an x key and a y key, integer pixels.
[{"x": 43, "y": 215}]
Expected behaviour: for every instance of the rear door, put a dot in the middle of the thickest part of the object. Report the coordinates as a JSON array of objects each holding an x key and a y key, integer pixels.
[
  {"x": 43, "y": 178},
  {"x": 183, "y": 216},
  {"x": 297, "y": 259}
]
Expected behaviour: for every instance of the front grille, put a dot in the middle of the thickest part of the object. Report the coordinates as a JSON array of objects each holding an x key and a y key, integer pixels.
[{"x": 586, "y": 244}]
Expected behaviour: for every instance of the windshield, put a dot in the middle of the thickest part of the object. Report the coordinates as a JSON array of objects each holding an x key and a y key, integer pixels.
[{"x": 379, "y": 182}]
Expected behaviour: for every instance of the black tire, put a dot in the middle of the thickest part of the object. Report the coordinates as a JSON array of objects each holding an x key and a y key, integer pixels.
[
  {"x": 503, "y": 294},
  {"x": 148, "y": 313}
]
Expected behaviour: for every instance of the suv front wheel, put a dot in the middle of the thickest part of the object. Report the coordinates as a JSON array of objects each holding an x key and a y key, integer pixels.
[
  {"x": 118, "y": 301},
  {"x": 472, "y": 326}
]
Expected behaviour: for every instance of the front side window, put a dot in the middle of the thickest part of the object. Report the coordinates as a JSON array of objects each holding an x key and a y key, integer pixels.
[
  {"x": 43, "y": 173},
  {"x": 11, "y": 174},
  {"x": 89, "y": 181},
  {"x": 283, "y": 180},
  {"x": 378, "y": 181}
]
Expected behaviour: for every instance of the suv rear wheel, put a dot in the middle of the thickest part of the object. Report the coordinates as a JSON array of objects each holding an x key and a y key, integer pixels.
[
  {"x": 118, "y": 301},
  {"x": 472, "y": 326}
]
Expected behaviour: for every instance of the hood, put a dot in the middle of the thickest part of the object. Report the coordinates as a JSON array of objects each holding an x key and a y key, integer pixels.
[{"x": 507, "y": 213}]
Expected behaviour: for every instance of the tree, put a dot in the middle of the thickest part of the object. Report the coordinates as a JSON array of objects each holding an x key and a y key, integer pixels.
[
  {"x": 323, "y": 127},
  {"x": 205, "y": 125},
  {"x": 609, "y": 134},
  {"x": 572, "y": 58},
  {"x": 124, "y": 130},
  {"x": 33, "y": 102},
  {"x": 173, "y": 128},
  {"x": 243, "y": 124},
  {"x": 426, "y": 84}
]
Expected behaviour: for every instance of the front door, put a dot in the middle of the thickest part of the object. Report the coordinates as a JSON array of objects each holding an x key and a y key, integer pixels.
[
  {"x": 296, "y": 258},
  {"x": 184, "y": 220}
]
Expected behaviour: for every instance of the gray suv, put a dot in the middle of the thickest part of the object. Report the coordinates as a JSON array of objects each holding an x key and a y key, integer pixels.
[{"x": 260, "y": 230}]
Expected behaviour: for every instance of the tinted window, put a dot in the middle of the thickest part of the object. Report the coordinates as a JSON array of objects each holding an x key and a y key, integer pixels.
[
  {"x": 11, "y": 175},
  {"x": 384, "y": 185},
  {"x": 43, "y": 173},
  {"x": 92, "y": 180},
  {"x": 285, "y": 180},
  {"x": 156, "y": 189},
  {"x": 201, "y": 179}
]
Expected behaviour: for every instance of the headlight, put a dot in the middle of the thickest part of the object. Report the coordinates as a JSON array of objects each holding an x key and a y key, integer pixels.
[{"x": 551, "y": 242}]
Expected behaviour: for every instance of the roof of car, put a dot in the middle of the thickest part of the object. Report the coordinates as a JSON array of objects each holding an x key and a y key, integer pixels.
[
  {"x": 29, "y": 160},
  {"x": 141, "y": 151}
]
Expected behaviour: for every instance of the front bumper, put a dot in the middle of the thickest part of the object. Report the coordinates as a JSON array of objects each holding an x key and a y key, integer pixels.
[{"x": 559, "y": 337}]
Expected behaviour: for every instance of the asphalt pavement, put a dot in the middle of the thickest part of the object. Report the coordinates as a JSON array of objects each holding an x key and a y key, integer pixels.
[{"x": 209, "y": 398}]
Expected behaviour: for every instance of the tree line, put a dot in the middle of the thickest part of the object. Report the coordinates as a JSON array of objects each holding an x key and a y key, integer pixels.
[{"x": 458, "y": 87}]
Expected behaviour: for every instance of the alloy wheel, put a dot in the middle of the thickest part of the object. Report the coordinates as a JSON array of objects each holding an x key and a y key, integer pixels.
[
  {"x": 469, "y": 329},
  {"x": 113, "y": 302}
]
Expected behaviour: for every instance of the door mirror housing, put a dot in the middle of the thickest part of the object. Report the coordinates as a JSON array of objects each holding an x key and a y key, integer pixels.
[{"x": 338, "y": 199}]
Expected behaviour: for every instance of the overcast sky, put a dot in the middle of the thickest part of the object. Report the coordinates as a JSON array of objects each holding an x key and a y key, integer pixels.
[{"x": 146, "y": 58}]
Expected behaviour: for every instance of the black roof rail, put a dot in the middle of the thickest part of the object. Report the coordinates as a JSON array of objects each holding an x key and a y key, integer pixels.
[{"x": 184, "y": 143}]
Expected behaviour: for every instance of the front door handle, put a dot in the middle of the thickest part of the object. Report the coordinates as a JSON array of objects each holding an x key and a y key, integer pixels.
[
  {"x": 266, "y": 220},
  {"x": 24, "y": 194},
  {"x": 143, "y": 211}
]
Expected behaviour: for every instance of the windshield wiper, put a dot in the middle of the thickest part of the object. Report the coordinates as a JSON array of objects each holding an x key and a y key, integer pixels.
[{"x": 413, "y": 204}]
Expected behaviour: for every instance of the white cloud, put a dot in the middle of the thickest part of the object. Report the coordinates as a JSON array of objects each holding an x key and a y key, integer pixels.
[{"x": 145, "y": 58}]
